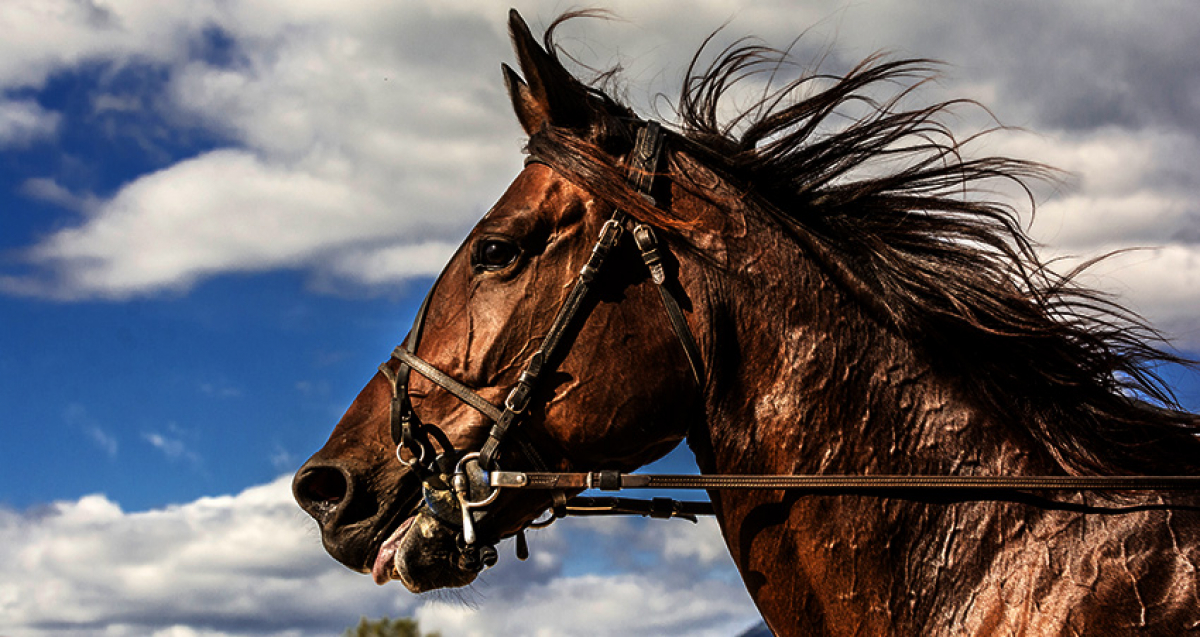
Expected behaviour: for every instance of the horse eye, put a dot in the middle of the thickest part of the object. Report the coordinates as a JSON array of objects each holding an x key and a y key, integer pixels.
[{"x": 494, "y": 254}]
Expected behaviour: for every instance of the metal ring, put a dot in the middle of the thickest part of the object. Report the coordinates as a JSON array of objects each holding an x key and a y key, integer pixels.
[
  {"x": 417, "y": 461},
  {"x": 458, "y": 470}
]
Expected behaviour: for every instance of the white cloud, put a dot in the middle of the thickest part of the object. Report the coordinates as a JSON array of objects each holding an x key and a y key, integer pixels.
[
  {"x": 223, "y": 210},
  {"x": 365, "y": 140},
  {"x": 597, "y": 606},
  {"x": 106, "y": 441},
  {"x": 393, "y": 263},
  {"x": 78, "y": 417},
  {"x": 24, "y": 121},
  {"x": 244, "y": 564},
  {"x": 1124, "y": 195},
  {"x": 44, "y": 36},
  {"x": 362, "y": 137},
  {"x": 232, "y": 210},
  {"x": 252, "y": 564},
  {"x": 348, "y": 132},
  {"x": 173, "y": 445},
  {"x": 1161, "y": 283},
  {"x": 48, "y": 190}
]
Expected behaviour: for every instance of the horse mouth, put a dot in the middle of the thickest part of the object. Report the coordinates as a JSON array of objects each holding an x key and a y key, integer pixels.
[
  {"x": 384, "y": 568},
  {"x": 422, "y": 554}
]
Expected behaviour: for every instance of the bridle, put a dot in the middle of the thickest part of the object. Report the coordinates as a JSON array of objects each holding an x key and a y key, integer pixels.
[
  {"x": 468, "y": 472},
  {"x": 452, "y": 478}
]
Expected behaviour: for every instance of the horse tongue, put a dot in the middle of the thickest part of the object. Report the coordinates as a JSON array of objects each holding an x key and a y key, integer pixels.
[{"x": 384, "y": 568}]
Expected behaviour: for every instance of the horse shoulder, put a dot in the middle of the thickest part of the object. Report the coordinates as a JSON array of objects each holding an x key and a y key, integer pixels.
[{"x": 1074, "y": 574}]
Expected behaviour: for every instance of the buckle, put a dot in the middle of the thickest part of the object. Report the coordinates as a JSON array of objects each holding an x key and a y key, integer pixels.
[
  {"x": 610, "y": 233},
  {"x": 518, "y": 399}
]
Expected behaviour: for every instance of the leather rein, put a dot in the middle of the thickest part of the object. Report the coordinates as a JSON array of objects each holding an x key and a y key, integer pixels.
[{"x": 459, "y": 486}]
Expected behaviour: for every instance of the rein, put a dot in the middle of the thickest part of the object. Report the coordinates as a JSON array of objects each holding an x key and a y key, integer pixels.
[
  {"x": 616, "y": 481},
  {"x": 452, "y": 479}
]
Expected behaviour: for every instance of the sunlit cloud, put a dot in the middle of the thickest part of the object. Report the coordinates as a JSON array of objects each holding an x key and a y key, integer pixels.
[{"x": 251, "y": 564}]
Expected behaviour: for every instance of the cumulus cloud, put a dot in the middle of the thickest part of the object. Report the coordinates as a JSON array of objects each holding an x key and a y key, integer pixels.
[
  {"x": 362, "y": 143},
  {"x": 626, "y": 605},
  {"x": 229, "y": 565},
  {"x": 393, "y": 263},
  {"x": 169, "y": 228},
  {"x": 346, "y": 134},
  {"x": 251, "y": 564},
  {"x": 1125, "y": 196},
  {"x": 42, "y": 37}
]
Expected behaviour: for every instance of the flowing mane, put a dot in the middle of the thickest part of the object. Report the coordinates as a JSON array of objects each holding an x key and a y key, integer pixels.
[{"x": 893, "y": 211}]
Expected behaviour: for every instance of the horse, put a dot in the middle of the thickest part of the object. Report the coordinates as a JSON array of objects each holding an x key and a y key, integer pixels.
[{"x": 804, "y": 293}]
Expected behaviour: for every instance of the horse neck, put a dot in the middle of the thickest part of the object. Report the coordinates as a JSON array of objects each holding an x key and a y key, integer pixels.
[{"x": 805, "y": 380}]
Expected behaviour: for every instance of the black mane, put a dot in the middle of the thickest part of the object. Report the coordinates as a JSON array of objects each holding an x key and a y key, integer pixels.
[{"x": 895, "y": 207}]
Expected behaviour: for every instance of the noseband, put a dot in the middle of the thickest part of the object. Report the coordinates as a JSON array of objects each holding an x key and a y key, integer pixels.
[{"x": 418, "y": 439}]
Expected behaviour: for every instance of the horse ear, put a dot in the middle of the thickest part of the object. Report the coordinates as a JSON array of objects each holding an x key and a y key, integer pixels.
[
  {"x": 549, "y": 95},
  {"x": 529, "y": 110}
]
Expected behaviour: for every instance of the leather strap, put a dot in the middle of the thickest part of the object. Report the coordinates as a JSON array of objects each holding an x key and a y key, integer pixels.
[
  {"x": 409, "y": 433},
  {"x": 643, "y": 161},
  {"x": 643, "y": 164},
  {"x": 643, "y": 235},
  {"x": 548, "y": 352},
  {"x": 615, "y": 480},
  {"x": 658, "y": 508},
  {"x": 446, "y": 382}
]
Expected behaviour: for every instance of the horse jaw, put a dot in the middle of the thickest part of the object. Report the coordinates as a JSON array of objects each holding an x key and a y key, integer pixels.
[{"x": 423, "y": 555}]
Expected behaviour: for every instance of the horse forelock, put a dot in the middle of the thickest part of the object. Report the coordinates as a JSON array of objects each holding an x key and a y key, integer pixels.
[{"x": 899, "y": 204}]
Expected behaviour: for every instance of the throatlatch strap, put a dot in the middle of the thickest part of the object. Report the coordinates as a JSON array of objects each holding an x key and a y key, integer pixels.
[{"x": 648, "y": 245}]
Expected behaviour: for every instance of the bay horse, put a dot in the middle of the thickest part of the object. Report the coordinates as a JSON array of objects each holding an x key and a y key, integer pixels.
[{"x": 804, "y": 293}]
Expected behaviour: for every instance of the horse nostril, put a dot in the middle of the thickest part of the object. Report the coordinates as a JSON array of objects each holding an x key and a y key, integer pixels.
[
  {"x": 321, "y": 490},
  {"x": 327, "y": 486}
]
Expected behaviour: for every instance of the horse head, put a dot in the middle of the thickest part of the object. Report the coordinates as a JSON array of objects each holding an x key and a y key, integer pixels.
[{"x": 616, "y": 394}]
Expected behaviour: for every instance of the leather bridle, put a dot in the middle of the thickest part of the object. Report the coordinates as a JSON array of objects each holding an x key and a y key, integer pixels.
[
  {"x": 452, "y": 478},
  {"x": 434, "y": 464}
]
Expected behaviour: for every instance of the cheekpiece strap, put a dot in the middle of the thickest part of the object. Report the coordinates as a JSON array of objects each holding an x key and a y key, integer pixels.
[{"x": 643, "y": 162}]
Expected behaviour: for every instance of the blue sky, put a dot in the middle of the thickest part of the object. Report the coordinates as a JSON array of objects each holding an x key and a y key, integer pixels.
[
  {"x": 166, "y": 396},
  {"x": 219, "y": 216},
  {"x": 156, "y": 401}
]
